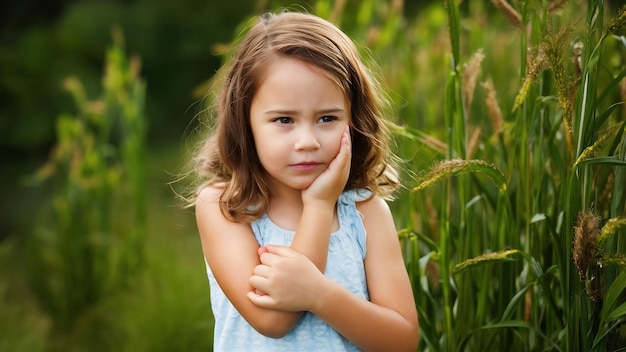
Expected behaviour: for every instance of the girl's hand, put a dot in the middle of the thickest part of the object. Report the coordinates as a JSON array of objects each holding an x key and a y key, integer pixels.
[
  {"x": 285, "y": 280},
  {"x": 330, "y": 183}
]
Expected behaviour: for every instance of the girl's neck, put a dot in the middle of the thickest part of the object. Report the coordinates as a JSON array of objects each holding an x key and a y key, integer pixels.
[{"x": 286, "y": 210}]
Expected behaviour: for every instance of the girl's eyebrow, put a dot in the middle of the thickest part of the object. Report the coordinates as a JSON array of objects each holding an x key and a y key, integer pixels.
[{"x": 332, "y": 110}]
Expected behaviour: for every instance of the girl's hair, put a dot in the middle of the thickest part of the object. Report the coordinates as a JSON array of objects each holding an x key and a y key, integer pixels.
[{"x": 228, "y": 157}]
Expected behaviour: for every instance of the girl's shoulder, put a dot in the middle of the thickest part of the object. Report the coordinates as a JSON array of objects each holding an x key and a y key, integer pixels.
[
  {"x": 371, "y": 205},
  {"x": 211, "y": 192},
  {"x": 208, "y": 200}
]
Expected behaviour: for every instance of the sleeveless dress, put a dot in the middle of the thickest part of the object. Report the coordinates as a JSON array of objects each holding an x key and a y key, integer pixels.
[{"x": 344, "y": 265}]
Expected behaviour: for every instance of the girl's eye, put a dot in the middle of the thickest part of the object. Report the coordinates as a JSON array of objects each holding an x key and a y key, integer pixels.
[
  {"x": 327, "y": 119},
  {"x": 283, "y": 120}
]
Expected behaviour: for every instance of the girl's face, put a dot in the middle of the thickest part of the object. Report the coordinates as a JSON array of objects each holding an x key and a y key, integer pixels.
[{"x": 297, "y": 117}]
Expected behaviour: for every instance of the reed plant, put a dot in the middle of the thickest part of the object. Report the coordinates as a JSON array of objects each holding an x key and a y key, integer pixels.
[
  {"x": 92, "y": 240},
  {"x": 504, "y": 241},
  {"x": 99, "y": 283}
]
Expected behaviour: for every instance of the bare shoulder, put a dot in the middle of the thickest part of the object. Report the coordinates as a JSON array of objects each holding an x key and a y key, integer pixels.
[
  {"x": 210, "y": 194},
  {"x": 377, "y": 220},
  {"x": 216, "y": 231},
  {"x": 208, "y": 200},
  {"x": 374, "y": 208},
  {"x": 209, "y": 216},
  {"x": 222, "y": 239}
]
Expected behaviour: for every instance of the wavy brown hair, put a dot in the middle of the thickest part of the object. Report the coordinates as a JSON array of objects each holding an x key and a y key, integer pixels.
[{"x": 228, "y": 156}]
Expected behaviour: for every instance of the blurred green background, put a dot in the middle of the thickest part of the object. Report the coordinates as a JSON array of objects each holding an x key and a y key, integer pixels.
[
  {"x": 53, "y": 64},
  {"x": 100, "y": 100},
  {"x": 45, "y": 42}
]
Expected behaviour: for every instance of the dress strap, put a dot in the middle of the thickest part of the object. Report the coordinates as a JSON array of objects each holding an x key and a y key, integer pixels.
[
  {"x": 349, "y": 217},
  {"x": 355, "y": 195}
]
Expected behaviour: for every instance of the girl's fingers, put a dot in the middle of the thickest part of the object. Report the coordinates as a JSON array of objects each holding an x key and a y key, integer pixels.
[
  {"x": 259, "y": 283},
  {"x": 263, "y": 301},
  {"x": 282, "y": 251},
  {"x": 346, "y": 138},
  {"x": 261, "y": 250},
  {"x": 344, "y": 149},
  {"x": 345, "y": 152},
  {"x": 262, "y": 270}
]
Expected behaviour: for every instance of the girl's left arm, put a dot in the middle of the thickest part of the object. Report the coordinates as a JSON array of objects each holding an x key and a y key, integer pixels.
[{"x": 387, "y": 322}]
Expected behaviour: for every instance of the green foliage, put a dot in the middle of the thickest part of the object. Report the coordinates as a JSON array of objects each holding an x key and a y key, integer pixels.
[
  {"x": 168, "y": 308},
  {"x": 19, "y": 330},
  {"x": 511, "y": 122},
  {"x": 84, "y": 252},
  {"x": 560, "y": 150},
  {"x": 97, "y": 281},
  {"x": 173, "y": 38}
]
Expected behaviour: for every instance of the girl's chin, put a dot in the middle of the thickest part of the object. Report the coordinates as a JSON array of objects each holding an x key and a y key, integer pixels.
[
  {"x": 303, "y": 185},
  {"x": 300, "y": 182},
  {"x": 299, "y": 185}
]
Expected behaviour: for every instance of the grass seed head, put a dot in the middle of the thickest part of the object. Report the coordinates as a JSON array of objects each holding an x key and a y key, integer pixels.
[
  {"x": 493, "y": 108},
  {"x": 471, "y": 70},
  {"x": 585, "y": 250}
]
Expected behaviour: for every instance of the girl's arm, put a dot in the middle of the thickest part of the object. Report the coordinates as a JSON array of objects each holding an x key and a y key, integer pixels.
[
  {"x": 232, "y": 251},
  {"x": 388, "y": 322}
]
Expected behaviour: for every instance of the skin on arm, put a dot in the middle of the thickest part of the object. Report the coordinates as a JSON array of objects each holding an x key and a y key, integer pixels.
[
  {"x": 388, "y": 322},
  {"x": 231, "y": 251},
  {"x": 389, "y": 287}
]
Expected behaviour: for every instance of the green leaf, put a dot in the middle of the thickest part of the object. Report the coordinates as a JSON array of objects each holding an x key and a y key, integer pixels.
[
  {"x": 617, "y": 313},
  {"x": 510, "y": 308},
  {"x": 606, "y": 160},
  {"x": 612, "y": 294}
]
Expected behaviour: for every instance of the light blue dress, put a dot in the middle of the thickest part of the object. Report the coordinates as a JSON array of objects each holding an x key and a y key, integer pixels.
[{"x": 344, "y": 265}]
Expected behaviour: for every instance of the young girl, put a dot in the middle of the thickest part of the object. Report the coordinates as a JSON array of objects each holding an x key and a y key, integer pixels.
[{"x": 301, "y": 249}]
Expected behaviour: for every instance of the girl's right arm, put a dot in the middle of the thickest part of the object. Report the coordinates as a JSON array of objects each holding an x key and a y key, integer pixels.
[{"x": 231, "y": 251}]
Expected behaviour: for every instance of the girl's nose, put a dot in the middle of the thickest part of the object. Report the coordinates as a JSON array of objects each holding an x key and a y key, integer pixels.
[{"x": 307, "y": 140}]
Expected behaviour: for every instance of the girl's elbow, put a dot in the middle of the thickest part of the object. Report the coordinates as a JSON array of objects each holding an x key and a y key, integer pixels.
[
  {"x": 414, "y": 342},
  {"x": 271, "y": 332},
  {"x": 405, "y": 339},
  {"x": 415, "y": 337},
  {"x": 275, "y": 329},
  {"x": 411, "y": 337},
  {"x": 409, "y": 343}
]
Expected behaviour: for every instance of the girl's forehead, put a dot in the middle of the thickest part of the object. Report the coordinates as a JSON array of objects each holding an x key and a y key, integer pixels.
[
  {"x": 293, "y": 71},
  {"x": 276, "y": 62}
]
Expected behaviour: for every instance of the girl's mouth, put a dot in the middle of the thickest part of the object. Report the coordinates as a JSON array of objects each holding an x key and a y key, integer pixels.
[{"x": 306, "y": 166}]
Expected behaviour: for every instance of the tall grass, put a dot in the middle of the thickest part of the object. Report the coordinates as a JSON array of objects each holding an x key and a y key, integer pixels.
[
  {"x": 501, "y": 270},
  {"x": 513, "y": 222},
  {"x": 100, "y": 283},
  {"x": 90, "y": 246}
]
